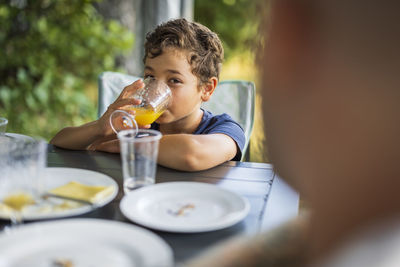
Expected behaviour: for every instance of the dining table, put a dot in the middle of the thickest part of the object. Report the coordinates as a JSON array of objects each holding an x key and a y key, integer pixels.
[{"x": 272, "y": 201}]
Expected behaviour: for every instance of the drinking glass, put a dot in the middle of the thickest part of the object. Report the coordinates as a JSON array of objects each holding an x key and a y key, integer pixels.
[
  {"x": 22, "y": 162},
  {"x": 155, "y": 97},
  {"x": 139, "y": 151},
  {"x": 3, "y": 125}
]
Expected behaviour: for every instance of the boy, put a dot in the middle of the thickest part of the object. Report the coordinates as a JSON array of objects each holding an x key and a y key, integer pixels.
[{"x": 188, "y": 57}]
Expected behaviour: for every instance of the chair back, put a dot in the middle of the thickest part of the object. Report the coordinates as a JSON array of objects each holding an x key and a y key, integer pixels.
[
  {"x": 236, "y": 98},
  {"x": 110, "y": 86}
]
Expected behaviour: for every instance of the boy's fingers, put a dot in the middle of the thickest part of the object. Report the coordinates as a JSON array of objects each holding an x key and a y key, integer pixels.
[
  {"x": 128, "y": 90},
  {"x": 145, "y": 126},
  {"x": 109, "y": 146},
  {"x": 124, "y": 102}
]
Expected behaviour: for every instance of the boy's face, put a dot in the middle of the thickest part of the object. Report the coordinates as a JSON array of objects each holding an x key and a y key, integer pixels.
[{"x": 173, "y": 68}]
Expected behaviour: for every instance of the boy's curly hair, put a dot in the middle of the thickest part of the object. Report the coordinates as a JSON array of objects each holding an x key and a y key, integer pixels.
[{"x": 205, "y": 48}]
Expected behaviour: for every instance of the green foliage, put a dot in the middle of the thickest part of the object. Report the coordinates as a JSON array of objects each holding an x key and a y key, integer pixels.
[
  {"x": 236, "y": 22},
  {"x": 52, "y": 52}
]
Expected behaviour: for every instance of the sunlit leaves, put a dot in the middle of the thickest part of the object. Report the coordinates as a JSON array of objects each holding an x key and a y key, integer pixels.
[
  {"x": 51, "y": 53},
  {"x": 235, "y": 21}
]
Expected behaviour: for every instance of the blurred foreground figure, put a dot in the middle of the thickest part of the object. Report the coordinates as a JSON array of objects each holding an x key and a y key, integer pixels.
[{"x": 331, "y": 99}]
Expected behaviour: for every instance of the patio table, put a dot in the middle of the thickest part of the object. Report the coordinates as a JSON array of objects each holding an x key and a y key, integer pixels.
[{"x": 272, "y": 200}]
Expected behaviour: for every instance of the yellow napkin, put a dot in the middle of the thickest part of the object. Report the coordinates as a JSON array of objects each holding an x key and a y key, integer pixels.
[{"x": 80, "y": 191}]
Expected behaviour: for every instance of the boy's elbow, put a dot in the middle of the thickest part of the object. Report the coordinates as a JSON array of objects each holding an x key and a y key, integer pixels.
[
  {"x": 191, "y": 163},
  {"x": 191, "y": 158},
  {"x": 53, "y": 142}
]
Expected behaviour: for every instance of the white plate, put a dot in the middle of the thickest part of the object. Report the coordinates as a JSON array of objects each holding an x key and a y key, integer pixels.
[
  {"x": 60, "y": 176},
  {"x": 184, "y": 207},
  {"x": 84, "y": 242}
]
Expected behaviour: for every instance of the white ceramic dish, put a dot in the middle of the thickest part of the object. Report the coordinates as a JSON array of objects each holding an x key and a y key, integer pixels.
[
  {"x": 59, "y": 176},
  {"x": 184, "y": 207},
  {"x": 83, "y": 242}
]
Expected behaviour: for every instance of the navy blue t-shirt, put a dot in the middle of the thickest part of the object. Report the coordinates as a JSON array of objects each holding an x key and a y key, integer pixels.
[{"x": 223, "y": 124}]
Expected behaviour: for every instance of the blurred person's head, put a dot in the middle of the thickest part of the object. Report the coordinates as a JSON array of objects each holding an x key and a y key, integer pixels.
[
  {"x": 331, "y": 92},
  {"x": 188, "y": 57}
]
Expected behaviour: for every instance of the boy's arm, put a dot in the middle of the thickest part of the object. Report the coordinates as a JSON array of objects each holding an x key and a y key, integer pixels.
[
  {"x": 92, "y": 133},
  {"x": 79, "y": 138},
  {"x": 188, "y": 152}
]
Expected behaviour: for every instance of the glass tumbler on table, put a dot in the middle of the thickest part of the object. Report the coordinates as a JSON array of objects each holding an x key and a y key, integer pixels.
[
  {"x": 22, "y": 163},
  {"x": 3, "y": 125},
  {"x": 139, "y": 151},
  {"x": 155, "y": 97}
]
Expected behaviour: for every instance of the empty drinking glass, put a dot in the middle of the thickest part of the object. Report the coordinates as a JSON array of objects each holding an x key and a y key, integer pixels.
[
  {"x": 139, "y": 151},
  {"x": 22, "y": 162},
  {"x": 3, "y": 125}
]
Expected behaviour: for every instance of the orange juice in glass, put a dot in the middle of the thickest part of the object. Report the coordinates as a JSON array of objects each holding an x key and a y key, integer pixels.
[
  {"x": 144, "y": 116},
  {"x": 155, "y": 97}
]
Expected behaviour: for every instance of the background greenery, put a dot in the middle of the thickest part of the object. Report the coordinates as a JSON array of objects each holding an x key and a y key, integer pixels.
[
  {"x": 53, "y": 51},
  {"x": 237, "y": 23}
]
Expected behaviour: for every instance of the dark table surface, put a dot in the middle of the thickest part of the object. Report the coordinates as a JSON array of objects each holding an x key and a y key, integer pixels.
[{"x": 269, "y": 207}]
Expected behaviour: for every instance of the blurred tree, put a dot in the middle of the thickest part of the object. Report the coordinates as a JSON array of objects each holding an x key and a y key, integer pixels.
[
  {"x": 141, "y": 16},
  {"x": 52, "y": 52},
  {"x": 235, "y": 21}
]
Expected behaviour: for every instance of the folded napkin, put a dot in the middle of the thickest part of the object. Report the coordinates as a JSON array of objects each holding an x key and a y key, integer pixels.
[
  {"x": 17, "y": 201},
  {"x": 75, "y": 190}
]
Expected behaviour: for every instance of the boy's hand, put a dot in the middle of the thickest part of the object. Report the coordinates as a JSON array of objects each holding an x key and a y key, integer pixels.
[
  {"x": 111, "y": 146},
  {"x": 123, "y": 100}
]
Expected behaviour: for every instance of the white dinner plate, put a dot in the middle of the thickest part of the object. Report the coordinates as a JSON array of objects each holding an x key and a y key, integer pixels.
[
  {"x": 55, "y": 177},
  {"x": 184, "y": 207},
  {"x": 83, "y": 242}
]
